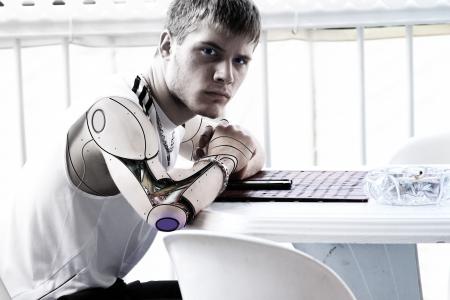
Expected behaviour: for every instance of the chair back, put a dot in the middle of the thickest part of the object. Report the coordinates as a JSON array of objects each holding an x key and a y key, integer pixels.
[
  {"x": 223, "y": 266},
  {"x": 432, "y": 149},
  {"x": 4, "y": 295}
]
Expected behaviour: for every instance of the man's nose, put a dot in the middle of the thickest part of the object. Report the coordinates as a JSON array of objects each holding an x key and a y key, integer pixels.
[{"x": 224, "y": 72}]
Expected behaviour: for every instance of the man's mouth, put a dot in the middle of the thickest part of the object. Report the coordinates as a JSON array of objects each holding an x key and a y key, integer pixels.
[{"x": 222, "y": 95}]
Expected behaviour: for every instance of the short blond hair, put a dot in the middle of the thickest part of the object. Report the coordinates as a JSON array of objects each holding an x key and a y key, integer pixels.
[{"x": 237, "y": 17}]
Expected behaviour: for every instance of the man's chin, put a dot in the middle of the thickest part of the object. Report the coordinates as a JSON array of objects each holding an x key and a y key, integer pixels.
[{"x": 211, "y": 113}]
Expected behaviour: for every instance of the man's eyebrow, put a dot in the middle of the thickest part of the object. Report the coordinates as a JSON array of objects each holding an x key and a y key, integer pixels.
[
  {"x": 246, "y": 57},
  {"x": 214, "y": 45}
]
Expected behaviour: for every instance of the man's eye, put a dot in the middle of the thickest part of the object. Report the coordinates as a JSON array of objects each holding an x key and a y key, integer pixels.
[
  {"x": 240, "y": 61},
  {"x": 209, "y": 51}
]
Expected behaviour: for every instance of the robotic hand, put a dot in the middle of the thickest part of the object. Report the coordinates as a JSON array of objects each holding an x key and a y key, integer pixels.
[{"x": 114, "y": 148}]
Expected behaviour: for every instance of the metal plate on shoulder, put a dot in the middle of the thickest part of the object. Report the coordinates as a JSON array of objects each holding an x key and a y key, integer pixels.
[{"x": 120, "y": 127}]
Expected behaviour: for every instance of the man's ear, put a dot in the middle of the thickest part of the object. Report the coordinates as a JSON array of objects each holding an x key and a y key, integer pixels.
[{"x": 165, "y": 44}]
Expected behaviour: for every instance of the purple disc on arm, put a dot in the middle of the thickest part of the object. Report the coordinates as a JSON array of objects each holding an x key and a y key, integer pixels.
[{"x": 167, "y": 224}]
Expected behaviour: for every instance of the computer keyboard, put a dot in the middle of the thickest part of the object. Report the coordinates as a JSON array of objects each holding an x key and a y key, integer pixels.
[{"x": 307, "y": 186}]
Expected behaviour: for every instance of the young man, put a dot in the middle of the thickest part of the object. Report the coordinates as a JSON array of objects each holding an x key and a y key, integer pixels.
[{"x": 110, "y": 184}]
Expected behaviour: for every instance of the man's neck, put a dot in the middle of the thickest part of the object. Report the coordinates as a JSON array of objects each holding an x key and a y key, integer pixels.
[{"x": 174, "y": 109}]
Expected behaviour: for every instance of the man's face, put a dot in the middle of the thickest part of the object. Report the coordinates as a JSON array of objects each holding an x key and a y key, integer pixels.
[{"x": 207, "y": 68}]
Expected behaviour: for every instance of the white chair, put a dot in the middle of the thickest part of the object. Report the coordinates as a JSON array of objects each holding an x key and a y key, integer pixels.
[
  {"x": 4, "y": 295},
  {"x": 218, "y": 266},
  {"x": 432, "y": 149}
]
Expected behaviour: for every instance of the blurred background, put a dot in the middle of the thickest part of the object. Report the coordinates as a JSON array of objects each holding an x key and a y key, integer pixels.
[{"x": 334, "y": 84}]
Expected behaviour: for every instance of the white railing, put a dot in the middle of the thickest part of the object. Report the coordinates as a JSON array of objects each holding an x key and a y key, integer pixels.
[
  {"x": 362, "y": 93},
  {"x": 19, "y": 80},
  {"x": 75, "y": 22},
  {"x": 410, "y": 73},
  {"x": 312, "y": 74}
]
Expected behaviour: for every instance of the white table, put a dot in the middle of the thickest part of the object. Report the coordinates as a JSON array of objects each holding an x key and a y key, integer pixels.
[{"x": 330, "y": 222}]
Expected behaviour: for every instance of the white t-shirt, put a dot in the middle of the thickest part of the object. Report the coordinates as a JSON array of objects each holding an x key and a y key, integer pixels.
[{"x": 61, "y": 239}]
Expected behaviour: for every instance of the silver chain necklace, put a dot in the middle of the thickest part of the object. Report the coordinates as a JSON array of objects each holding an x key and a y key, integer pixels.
[
  {"x": 168, "y": 148},
  {"x": 162, "y": 136}
]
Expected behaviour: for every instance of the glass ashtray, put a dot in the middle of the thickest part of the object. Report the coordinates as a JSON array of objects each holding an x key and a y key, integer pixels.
[{"x": 408, "y": 185}]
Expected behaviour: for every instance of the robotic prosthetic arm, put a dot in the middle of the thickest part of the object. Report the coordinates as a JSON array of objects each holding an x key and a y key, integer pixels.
[{"x": 114, "y": 148}]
